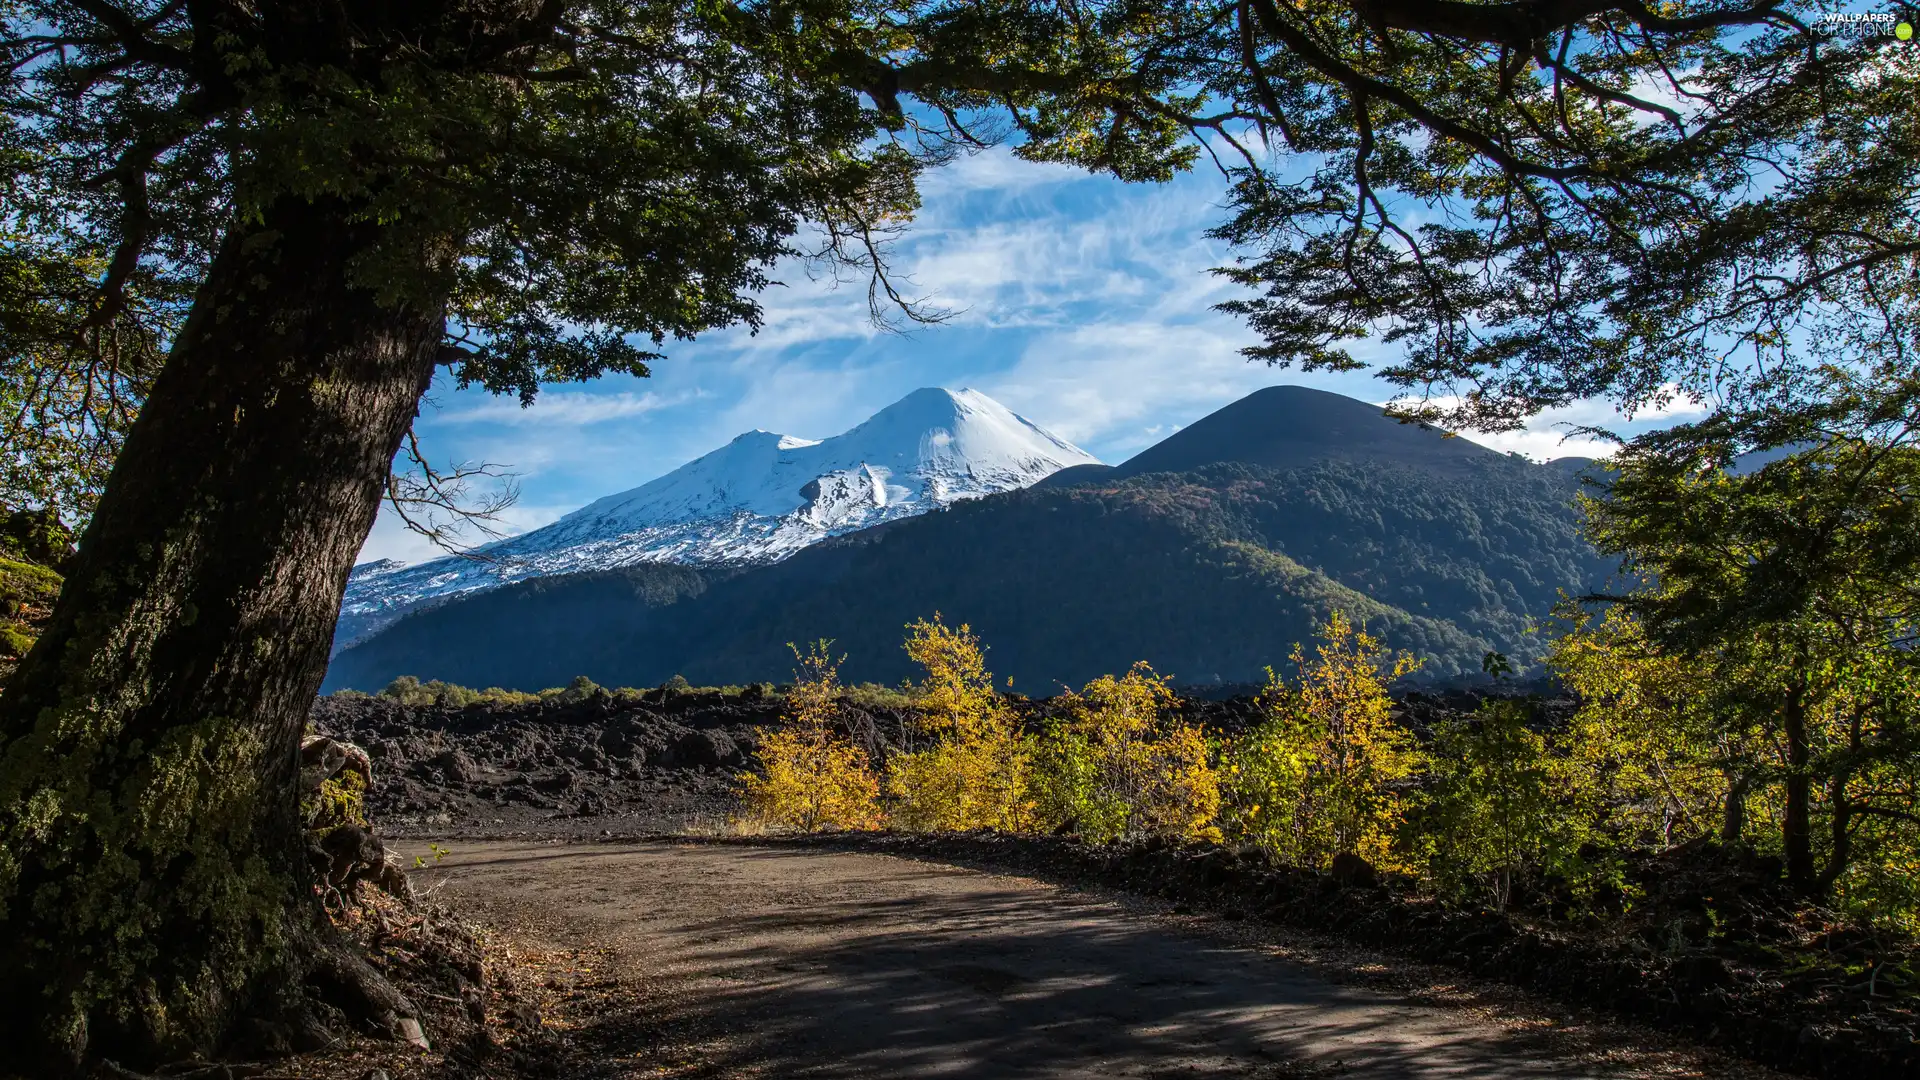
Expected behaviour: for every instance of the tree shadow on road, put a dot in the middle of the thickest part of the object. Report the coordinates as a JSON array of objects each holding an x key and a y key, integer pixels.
[{"x": 998, "y": 983}]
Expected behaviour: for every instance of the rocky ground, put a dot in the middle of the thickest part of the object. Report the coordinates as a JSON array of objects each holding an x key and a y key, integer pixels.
[{"x": 665, "y": 763}]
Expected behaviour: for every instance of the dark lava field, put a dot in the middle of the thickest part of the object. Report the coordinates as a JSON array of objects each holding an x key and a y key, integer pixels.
[{"x": 662, "y": 761}]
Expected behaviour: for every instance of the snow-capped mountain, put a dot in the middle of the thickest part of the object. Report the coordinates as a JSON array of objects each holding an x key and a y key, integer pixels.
[{"x": 757, "y": 499}]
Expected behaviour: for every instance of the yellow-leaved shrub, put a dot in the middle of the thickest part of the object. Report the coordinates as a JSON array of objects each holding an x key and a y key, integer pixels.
[
  {"x": 966, "y": 765},
  {"x": 1319, "y": 775},
  {"x": 1120, "y": 768},
  {"x": 813, "y": 776}
]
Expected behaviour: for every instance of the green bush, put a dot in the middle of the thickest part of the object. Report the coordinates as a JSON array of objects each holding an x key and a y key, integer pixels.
[
  {"x": 409, "y": 690},
  {"x": 875, "y": 696},
  {"x": 497, "y": 696},
  {"x": 1065, "y": 786},
  {"x": 580, "y": 689},
  {"x": 1122, "y": 767},
  {"x": 1325, "y": 772},
  {"x": 1499, "y": 808},
  {"x": 403, "y": 689}
]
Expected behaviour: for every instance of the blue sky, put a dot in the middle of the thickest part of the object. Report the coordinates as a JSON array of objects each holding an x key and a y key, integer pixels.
[{"x": 1080, "y": 302}]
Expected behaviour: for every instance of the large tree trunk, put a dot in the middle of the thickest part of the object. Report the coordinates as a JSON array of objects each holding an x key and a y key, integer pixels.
[
  {"x": 1733, "y": 816},
  {"x": 1796, "y": 826},
  {"x": 152, "y": 877},
  {"x": 1839, "y": 833}
]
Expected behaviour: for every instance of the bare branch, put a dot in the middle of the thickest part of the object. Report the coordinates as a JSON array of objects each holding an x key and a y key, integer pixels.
[{"x": 440, "y": 505}]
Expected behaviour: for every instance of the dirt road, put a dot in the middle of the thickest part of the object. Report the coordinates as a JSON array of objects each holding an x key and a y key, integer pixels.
[{"x": 776, "y": 962}]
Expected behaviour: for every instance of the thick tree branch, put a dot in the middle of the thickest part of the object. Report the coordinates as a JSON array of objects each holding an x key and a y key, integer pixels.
[
  {"x": 1357, "y": 83},
  {"x": 1519, "y": 25},
  {"x": 131, "y": 34}
]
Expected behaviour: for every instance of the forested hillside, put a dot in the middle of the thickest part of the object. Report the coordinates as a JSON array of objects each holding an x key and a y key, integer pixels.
[{"x": 1211, "y": 575}]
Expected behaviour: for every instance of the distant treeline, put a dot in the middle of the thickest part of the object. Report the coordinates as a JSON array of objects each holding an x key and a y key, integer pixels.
[{"x": 434, "y": 693}]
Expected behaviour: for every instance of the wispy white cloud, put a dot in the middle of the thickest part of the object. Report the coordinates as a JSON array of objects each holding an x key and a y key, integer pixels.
[
  {"x": 520, "y": 518},
  {"x": 1132, "y": 347},
  {"x": 567, "y": 408},
  {"x": 392, "y": 540},
  {"x": 1563, "y": 432},
  {"x": 1020, "y": 262},
  {"x": 1079, "y": 302},
  {"x": 1110, "y": 379},
  {"x": 1542, "y": 445},
  {"x": 829, "y": 393},
  {"x": 996, "y": 172}
]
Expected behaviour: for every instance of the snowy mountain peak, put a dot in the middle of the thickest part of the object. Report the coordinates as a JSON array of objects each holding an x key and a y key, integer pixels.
[
  {"x": 963, "y": 425},
  {"x": 757, "y": 499},
  {"x": 923, "y": 451}
]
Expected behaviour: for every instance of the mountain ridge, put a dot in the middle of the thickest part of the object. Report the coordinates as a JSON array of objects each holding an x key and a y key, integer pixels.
[
  {"x": 1211, "y": 573},
  {"x": 757, "y": 499}
]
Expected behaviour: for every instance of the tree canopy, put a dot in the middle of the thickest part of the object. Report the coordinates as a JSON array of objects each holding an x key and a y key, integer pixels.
[
  {"x": 311, "y": 208},
  {"x": 1527, "y": 202},
  {"x": 1544, "y": 201},
  {"x": 1788, "y": 587},
  {"x": 581, "y": 180}
]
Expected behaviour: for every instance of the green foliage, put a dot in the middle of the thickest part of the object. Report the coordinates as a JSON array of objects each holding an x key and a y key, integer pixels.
[
  {"x": 1537, "y": 231},
  {"x": 340, "y": 800},
  {"x": 1322, "y": 774},
  {"x": 72, "y": 375},
  {"x": 193, "y": 806},
  {"x": 1067, "y": 786},
  {"x": 37, "y": 536},
  {"x": 32, "y": 543},
  {"x": 875, "y": 696},
  {"x": 409, "y": 690},
  {"x": 1657, "y": 740},
  {"x": 1119, "y": 768},
  {"x": 14, "y": 641},
  {"x": 1491, "y": 807},
  {"x": 1677, "y": 745},
  {"x": 576, "y": 182},
  {"x": 569, "y": 179},
  {"x": 1498, "y": 808},
  {"x": 580, "y": 689},
  {"x": 1487, "y": 547},
  {"x": 1563, "y": 206},
  {"x": 1787, "y": 589},
  {"x": 25, "y": 589},
  {"x": 405, "y": 690},
  {"x": 505, "y": 697}
]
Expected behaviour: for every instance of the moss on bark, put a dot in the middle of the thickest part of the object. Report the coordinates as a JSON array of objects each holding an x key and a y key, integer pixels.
[{"x": 154, "y": 883}]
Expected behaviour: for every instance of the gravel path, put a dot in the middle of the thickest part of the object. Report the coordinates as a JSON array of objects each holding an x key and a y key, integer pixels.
[{"x": 770, "y": 962}]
